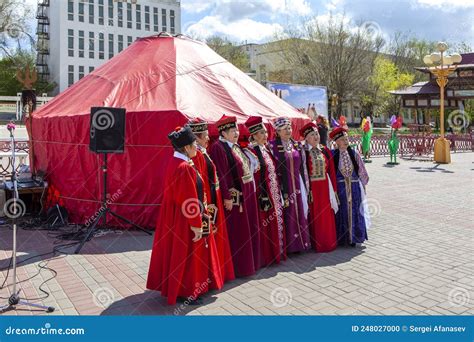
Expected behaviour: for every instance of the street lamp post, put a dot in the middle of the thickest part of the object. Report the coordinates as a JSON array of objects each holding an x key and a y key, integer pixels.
[{"x": 443, "y": 67}]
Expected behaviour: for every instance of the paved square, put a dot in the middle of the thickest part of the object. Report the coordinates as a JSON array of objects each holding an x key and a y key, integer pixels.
[{"x": 419, "y": 260}]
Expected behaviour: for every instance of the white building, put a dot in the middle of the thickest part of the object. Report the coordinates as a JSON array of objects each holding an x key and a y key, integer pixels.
[{"x": 77, "y": 36}]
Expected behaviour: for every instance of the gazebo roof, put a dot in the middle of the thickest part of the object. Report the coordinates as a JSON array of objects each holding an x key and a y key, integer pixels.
[
  {"x": 420, "y": 88},
  {"x": 430, "y": 88}
]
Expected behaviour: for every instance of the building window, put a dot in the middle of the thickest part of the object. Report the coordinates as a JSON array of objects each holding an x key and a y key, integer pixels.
[
  {"x": 147, "y": 18},
  {"x": 139, "y": 17},
  {"x": 129, "y": 16},
  {"x": 156, "y": 27},
  {"x": 172, "y": 21},
  {"x": 91, "y": 69},
  {"x": 81, "y": 71},
  {"x": 91, "y": 11},
  {"x": 111, "y": 45},
  {"x": 70, "y": 43},
  {"x": 91, "y": 44},
  {"x": 120, "y": 43},
  {"x": 129, "y": 40},
  {"x": 70, "y": 10},
  {"x": 101, "y": 12},
  {"x": 163, "y": 20},
  {"x": 120, "y": 14},
  {"x": 111, "y": 12},
  {"x": 70, "y": 75},
  {"x": 101, "y": 45},
  {"x": 81, "y": 44},
  {"x": 81, "y": 12}
]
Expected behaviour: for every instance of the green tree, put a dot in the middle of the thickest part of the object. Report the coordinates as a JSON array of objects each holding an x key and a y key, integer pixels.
[
  {"x": 230, "y": 51},
  {"x": 387, "y": 77},
  {"x": 407, "y": 52},
  {"x": 333, "y": 52},
  {"x": 9, "y": 85}
]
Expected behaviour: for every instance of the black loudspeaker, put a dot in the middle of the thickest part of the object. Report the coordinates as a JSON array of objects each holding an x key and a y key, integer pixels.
[{"x": 107, "y": 130}]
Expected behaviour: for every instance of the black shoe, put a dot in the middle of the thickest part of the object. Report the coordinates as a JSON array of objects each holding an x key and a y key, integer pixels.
[
  {"x": 190, "y": 301},
  {"x": 353, "y": 244},
  {"x": 197, "y": 301}
]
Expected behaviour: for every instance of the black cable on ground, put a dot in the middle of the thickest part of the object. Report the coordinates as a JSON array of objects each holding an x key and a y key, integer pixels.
[{"x": 60, "y": 234}]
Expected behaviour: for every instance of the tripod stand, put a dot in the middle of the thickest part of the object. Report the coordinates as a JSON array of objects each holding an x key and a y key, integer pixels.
[
  {"x": 14, "y": 299},
  {"x": 104, "y": 210}
]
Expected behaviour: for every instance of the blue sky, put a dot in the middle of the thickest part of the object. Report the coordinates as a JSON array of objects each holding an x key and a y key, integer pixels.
[
  {"x": 299, "y": 96},
  {"x": 258, "y": 20}
]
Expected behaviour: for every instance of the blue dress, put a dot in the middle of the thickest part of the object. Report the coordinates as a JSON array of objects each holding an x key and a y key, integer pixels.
[{"x": 351, "y": 223}]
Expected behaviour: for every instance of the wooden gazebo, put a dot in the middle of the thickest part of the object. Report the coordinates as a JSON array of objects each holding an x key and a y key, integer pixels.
[{"x": 425, "y": 95}]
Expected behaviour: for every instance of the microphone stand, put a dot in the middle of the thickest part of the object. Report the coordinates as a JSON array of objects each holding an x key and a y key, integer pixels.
[{"x": 15, "y": 299}]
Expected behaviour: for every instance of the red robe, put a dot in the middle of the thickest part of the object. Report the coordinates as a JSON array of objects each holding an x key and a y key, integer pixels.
[
  {"x": 180, "y": 267},
  {"x": 272, "y": 241},
  {"x": 202, "y": 162},
  {"x": 322, "y": 217}
]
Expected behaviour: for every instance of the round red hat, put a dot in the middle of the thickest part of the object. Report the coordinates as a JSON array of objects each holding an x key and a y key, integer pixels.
[
  {"x": 226, "y": 122},
  {"x": 308, "y": 128},
  {"x": 337, "y": 132},
  {"x": 254, "y": 124}
]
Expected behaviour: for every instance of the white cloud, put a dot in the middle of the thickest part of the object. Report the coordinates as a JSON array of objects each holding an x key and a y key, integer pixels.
[
  {"x": 239, "y": 30},
  {"x": 234, "y": 10},
  {"x": 334, "y": 5},
  {"x": 255, "y": 21},
  {"x": 294, "y": 7},
  {"x": 196, "y": 6},
  {"x": 285, "y": 93},
  {"x": 447, "y": 4}
]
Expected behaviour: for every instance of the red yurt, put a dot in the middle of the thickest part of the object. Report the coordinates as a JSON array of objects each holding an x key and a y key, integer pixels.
[{"x": 162, "y": 82}]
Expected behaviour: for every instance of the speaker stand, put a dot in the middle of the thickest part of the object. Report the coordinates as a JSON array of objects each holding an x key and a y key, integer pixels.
[{"x": 104, "y": 210}]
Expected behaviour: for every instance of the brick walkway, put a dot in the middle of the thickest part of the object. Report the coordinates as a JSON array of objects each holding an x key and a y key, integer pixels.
[{"x": 419, "y": 260}]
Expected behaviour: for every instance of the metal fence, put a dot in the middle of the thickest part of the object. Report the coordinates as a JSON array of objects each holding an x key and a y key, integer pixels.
[
  {"x": 21, "y": 156},
  {"x": 410, "y": 146},
  {"x": 413, "y": 145}
]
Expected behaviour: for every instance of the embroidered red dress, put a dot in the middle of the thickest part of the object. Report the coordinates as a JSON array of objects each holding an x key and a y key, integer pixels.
[
  {"x": 322, "y": 176},
  {"x": 207, "y": 169}
]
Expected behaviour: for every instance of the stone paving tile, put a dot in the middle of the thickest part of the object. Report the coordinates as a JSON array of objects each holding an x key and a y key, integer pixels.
[{"x": 418, "y": 261}]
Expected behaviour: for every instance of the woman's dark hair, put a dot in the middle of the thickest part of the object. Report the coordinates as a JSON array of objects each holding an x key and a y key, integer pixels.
[
  {"x": 181, "y": 150},
  {"x": 199, "y": 135},
  {"x": 225, "y": 130}
]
